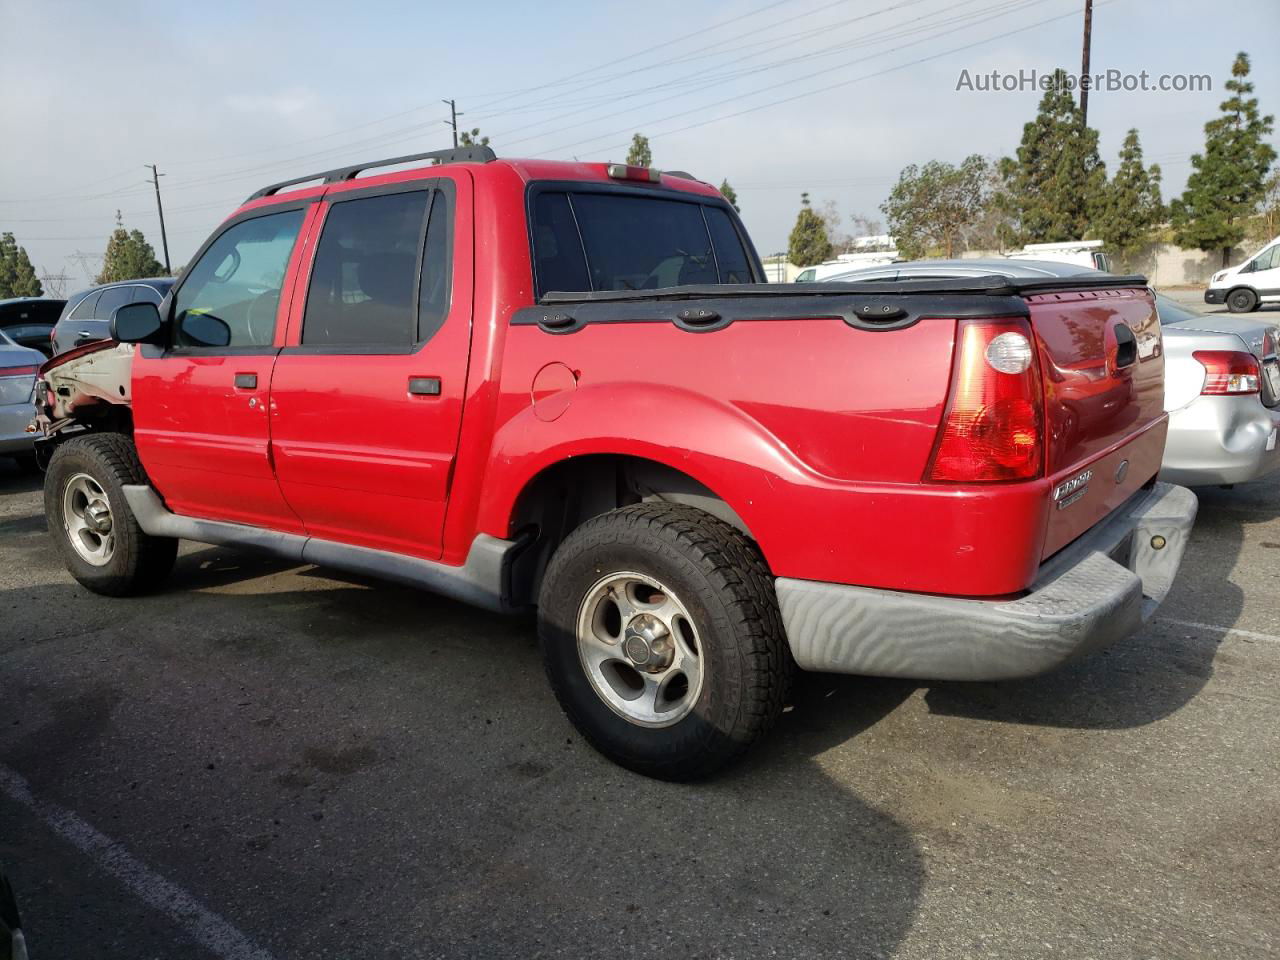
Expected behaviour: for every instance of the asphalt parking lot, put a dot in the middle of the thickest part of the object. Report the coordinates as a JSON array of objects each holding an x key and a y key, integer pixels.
[{"x": 269, "y": 760}]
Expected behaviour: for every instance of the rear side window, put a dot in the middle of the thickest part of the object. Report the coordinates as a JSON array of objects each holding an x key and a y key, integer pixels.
[
  {"x": 731, "y": 258},
  {"x": 143, "y": 294},
  {"x": 84, "y": 309},
  {"x": 593, "y": 240},
  {"x": 111, "y": 298},
  {"x": 364, "y": 284}
]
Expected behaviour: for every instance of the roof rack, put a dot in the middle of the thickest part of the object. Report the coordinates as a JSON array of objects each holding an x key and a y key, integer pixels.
[{"x": 454, "y": 155}]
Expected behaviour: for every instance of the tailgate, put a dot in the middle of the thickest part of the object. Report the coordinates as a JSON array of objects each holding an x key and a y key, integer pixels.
[{"x": 1102, "y": 368}]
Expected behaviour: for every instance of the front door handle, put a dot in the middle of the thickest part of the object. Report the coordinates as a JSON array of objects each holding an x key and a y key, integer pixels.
[
  {"x": 246, "y": 381},
  {"x": 424, "y": 386}
]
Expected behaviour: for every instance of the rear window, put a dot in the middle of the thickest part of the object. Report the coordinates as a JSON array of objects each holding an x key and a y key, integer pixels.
[{"x": 594, "y": 240}]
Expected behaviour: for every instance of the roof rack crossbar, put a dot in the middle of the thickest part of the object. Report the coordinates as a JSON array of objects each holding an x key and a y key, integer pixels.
[{"x": 475, "y": 154}]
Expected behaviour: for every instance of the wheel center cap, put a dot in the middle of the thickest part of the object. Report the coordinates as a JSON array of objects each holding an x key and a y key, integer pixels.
[
  {"x": 98, "y": 516},
  {"x": 647, "y": 643}
]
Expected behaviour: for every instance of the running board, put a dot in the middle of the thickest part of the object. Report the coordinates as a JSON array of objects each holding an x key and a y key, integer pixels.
[{"x": 483, "y": 581}]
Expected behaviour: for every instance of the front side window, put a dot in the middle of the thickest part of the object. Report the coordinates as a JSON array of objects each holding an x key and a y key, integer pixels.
[
  {"x": 364, "y": 281},
  {"x": 602, "y": 240},
  {"x": 1268, "y": 259},
  {"x": 237, "y": 283}
]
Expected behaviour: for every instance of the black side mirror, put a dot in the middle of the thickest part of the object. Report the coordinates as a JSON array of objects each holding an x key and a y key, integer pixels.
[
  {"x": 204, "y": 330},
  {"x": 135, "y": 323}
]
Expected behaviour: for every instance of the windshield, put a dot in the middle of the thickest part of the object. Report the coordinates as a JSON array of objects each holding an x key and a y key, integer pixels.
[
  {"x": 593, "y": 240},
  {"x": 1173, "y": 312}
]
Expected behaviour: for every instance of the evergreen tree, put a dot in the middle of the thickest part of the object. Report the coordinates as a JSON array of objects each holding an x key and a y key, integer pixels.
[
  {"x": 17, "y": 275},
  {"x": 809, "y": 243},
  {"x": 472, "y": 138},
  {"x": 128, "y": 256},
  {"x": 639, "y": 155},
  {"x": 730, "y": 194},
  {"x": 929, "y": 206},
  {"x": 1056, "y": 180},
  {"x": 8, "y": 257},
  {"x": 1228, "y": 180},
  {"x": 1131, "y": 207}
]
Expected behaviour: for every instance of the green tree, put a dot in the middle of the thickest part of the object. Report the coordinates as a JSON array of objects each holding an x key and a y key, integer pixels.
[
  {"x": 1056, "y": 180},
  {"x": 930, "y": 206},
  {"x": 472, "y": 138},
  {"x": 128, "y": 256},
  {"x": 17, "y": 276},
  {"x": 639, "y": 155},
  {"x": 730, "y": 194},
  {"x": 1130, "y": 208},
  {"x": 809, "y": 243},
  {"x": 1229, "y": 179},
  {"x": 1269, "y": 209}
]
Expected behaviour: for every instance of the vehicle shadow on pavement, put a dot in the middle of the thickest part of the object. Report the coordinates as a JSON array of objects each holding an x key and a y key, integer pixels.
[
  {"x": 1159, "y": 670},
  {"x": 16, "y": 479},
  {"x": 402, "y": 770}
]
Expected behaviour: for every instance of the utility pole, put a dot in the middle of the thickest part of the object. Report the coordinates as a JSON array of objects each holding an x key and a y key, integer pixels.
[
  {"x": 1084, "y": 63},
  {"x": 453, "y": 118},
  {"x": 164, "y": 239}
]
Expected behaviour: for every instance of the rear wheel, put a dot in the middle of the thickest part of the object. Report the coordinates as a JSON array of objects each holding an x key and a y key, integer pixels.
[
  {"x": 96, "y": 532},
  {"x": 1242, "y": 300},
  {"x": 662, "y": 639}
]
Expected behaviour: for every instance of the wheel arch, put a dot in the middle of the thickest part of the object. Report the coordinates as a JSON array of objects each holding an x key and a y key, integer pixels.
[{"x": 567, "y": 493}]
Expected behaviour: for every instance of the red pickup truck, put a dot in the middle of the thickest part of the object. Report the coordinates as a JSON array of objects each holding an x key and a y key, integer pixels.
[{"x": 566, "y": 386}]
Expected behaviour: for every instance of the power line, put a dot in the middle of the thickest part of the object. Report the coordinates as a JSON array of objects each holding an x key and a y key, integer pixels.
[
  {"x": 809, "y": 76},
  {"x": 887, "y": 33}
]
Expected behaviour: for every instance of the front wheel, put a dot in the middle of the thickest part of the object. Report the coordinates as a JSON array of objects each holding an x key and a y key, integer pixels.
[
  {"x": 662, "y": 639},
  {"x": 96, "y": 532},
  {"x": 1242, "y": 300}
]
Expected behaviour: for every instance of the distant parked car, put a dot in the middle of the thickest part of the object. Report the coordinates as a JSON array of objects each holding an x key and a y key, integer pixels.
[
  {"x": 87, "y": 313},
  {"x": 1221, "y": 377},
  {"x": 1077, "y": 253},
  {"x": 1251, "y": 284},
  {"x": 18, "y": 367},
  {"x": 28, "y": 321}
]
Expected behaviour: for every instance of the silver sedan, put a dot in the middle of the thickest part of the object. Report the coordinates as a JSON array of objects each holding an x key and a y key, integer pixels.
[
  {"x": 1222, "y": 377},
  {"x": 18, "y": 366},
  {"x": 1222, "y": 393}
]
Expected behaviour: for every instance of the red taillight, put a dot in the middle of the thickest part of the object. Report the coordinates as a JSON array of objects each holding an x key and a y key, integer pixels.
[
  {"x": 1228, "y": 372},
  {"x": 18, "y": 371},
  {"x": 992, "y": 427},
  {"x": 623, "y": 171}
]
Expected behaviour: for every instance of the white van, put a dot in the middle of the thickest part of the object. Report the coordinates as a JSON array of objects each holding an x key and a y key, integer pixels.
[
  {"x": 843, "y": 264},
  {"x": 1254, "y": 282},
  {"x": 1079, "y": 253}
]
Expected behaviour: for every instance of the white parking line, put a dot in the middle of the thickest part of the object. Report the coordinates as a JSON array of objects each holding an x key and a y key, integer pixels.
[
  {"x": 1246, "y": 634},
  {"x": 199, "y": 922}
]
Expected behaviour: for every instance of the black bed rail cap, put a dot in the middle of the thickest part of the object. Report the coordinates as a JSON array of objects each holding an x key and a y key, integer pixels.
[
  {"x": 987, "y": 285},
  {"x": 475, "y": 154}
]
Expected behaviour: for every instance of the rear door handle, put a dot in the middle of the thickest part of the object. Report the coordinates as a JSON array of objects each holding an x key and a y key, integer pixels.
[
  {"x": 246, "y": 381},
  {"x": 424, "y": 386}
]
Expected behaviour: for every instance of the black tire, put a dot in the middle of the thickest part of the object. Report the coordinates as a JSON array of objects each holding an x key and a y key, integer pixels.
[
  {"x": 721, "y": 579},
  {"x": 1242, "y": 300},
  {"x": 138, "y": 562}
]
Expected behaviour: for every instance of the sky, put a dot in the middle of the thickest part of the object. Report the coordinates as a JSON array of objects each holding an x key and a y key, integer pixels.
[{"x": 832, "y": 97}]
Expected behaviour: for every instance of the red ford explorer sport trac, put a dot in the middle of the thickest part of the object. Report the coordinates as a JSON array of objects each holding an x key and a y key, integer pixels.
[{"x": 566, "y": 386}]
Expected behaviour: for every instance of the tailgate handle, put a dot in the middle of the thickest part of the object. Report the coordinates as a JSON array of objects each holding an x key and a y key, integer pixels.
[
  {"x": 1126, "y": 346},
  {"x": 246, "y": 381}
]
